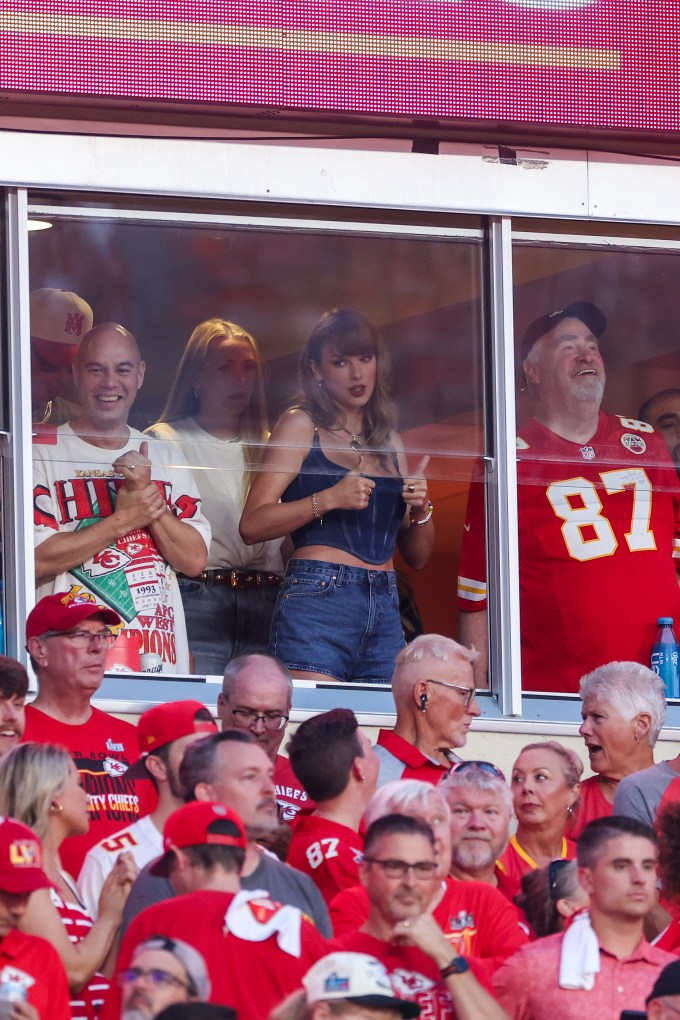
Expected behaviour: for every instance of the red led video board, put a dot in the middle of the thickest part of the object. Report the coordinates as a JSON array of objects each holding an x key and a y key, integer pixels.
[{"x": 595, "y": 63}]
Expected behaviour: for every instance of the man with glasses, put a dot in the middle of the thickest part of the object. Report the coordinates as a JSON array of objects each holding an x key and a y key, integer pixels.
[
  {"x": 162, "y": 972},
  {"x": 400, "y": 873},
  {"x": 434, "y": 693},
  {"x": 256, "y": 696},
  {"x": 164, "y": 732},
  {"x": 68, "y": 639}
]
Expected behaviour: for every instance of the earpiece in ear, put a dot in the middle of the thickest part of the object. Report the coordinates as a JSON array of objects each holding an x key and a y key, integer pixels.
[{"x": 423, "y": 702}]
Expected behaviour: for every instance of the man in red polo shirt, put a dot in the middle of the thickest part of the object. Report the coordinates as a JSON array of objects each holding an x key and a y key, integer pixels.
[
  {"x": 29, "y": 963},
  {"x": 333, "y": 759},
  {"x": 434, "y": 694}
]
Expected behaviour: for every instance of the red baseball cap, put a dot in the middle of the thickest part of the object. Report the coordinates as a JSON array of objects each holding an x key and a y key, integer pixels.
[
  {"x": 198, "y": 823},
  {"x": 21, "y": 859},
  {"x": 65, "y": 611},
  {"x": 162, "y": 724}
]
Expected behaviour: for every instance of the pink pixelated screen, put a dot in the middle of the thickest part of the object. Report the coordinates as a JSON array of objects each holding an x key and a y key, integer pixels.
[{"x": 596, "y": 63}]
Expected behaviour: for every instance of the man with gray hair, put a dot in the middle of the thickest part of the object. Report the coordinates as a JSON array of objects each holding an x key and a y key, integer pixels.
[
  {"x": 434, "y": 694},
  {"x": 624, "y": 707},
  {"x": 257, "y": 696},
  {"x": 480, "y": 803},
  {"x": 162, "y": 971}
]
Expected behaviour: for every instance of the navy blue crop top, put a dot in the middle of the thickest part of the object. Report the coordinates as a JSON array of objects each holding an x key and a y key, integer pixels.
[{"x": 370, "y": 534}]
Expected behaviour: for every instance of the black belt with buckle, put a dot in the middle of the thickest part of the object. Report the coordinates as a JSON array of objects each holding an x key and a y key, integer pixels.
[{"x": 236, "y": 578}]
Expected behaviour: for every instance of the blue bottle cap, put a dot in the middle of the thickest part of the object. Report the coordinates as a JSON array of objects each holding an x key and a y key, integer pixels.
[{"x": 663, "y": 620}]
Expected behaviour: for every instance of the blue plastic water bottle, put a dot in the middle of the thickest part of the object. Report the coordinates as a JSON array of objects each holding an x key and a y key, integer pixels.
[{"x": 665, "y": 659}]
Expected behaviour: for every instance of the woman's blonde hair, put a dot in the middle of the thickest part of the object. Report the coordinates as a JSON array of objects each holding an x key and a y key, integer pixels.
[
  {"x": 184, "y": 402},
  {"x": 31, "y": 776}
]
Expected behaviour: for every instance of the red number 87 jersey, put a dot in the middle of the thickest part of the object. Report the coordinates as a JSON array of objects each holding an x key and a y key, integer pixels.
[{"x": 598, "y": 527}]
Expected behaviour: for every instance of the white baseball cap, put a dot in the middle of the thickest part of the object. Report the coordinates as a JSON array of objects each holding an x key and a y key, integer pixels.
[
  {"x": 357, "y": 977},
  {"x": 59, "y": 317}
]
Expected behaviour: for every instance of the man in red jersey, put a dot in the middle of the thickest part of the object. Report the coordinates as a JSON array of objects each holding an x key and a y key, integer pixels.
[
  {"x": 257, "y": 694},
  {"x": 434, "y": 693},
  {"x": 334, "y": 760},
  {"x": 598, "y": 514},
  {"x": 29, "y": 963},
  {"x": 68, "y": 639},
  {"x": 400, "y": 873},
  {"x": 256, "y": 950}
]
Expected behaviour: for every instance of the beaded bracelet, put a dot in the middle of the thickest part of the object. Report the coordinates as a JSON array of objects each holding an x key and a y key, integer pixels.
[
  {"x": 430, "y": 511},
  {"x": 315, "y": 508}
]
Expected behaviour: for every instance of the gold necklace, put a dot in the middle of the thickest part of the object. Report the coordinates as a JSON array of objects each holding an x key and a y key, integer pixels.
[
  {"x": 354, "y": 444},
  {"x": 47, "y": 415}
]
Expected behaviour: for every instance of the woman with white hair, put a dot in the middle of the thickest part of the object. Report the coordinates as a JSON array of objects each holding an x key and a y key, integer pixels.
[
  {"x": 624, "y": 708},
  {"x": 475, "y": 917}
]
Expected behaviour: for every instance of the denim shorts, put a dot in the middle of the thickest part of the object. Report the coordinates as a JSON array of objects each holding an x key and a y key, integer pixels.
[{"x": 342, "y": 622}]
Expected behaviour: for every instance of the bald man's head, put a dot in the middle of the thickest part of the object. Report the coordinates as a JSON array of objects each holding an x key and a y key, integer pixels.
[{"x": 108, "y": 372}]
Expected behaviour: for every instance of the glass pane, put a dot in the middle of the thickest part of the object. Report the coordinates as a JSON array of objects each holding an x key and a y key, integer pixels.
[
  {"x": 160, "y": 280},
  {"x": 598, "y": 492}
]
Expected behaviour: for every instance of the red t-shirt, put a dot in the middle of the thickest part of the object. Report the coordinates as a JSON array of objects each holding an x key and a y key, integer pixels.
[
  {"x": 593, "y": 804},
  {"x": 416, "y": 765},
  {"x": 103, "y": 749},
  {"x": 290, "y": 793},
  {"x": 597, "y": 527},
  {"x": 36, "y": 965},
  {"x": 327, "y": 852},
  {"x": 474, "y": 917},
  {"x": 251, "y": 976},
  {"x": 516, "y": 862},
  {"x": 415, "y": 976}
]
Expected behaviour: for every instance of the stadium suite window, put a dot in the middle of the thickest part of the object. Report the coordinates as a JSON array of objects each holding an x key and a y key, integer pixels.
[
  {"x": 423, "y": 288},
  {"x": 597, "y": 486}
]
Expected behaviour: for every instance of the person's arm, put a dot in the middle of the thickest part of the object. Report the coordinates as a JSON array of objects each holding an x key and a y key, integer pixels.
[
  {"x": 415, "y": 540},
  {"x": 264, "y": 517},
  {"x": 82, "y": 959},
  {"x": 473, "y": 631},
  {"x": 470, "y": 1000},
  {"x": 178, "y": 542},
  {"x": 60, "y": 552}
]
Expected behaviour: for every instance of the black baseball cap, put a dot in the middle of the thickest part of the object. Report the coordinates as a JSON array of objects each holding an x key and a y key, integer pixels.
[
  {"x": 667, "y": 983},
  {"x": 588, "y": 313}
]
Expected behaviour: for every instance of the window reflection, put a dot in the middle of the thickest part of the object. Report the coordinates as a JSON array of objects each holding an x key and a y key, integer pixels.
[{"x": 160, "y": 281}]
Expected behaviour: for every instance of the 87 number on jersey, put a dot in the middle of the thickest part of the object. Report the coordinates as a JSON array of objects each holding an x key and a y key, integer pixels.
[{"x": 322, "y": 851}]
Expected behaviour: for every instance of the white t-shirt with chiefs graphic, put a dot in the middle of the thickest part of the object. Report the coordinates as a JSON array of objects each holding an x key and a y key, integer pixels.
[{"x": 74, "y": 486}]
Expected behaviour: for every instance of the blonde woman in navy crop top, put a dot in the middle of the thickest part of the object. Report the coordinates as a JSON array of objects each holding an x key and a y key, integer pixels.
[{"x": 335, "y": 478}]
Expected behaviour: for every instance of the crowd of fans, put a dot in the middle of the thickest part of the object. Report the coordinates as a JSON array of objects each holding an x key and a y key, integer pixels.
[{"x": 396, "y": 888}]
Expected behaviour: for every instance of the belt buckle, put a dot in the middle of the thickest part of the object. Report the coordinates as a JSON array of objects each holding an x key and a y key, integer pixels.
[{"x": 233, "y": 579}]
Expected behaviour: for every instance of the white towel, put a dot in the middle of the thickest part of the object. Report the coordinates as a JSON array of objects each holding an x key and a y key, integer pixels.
[
  {"x": 580, "y": 957},
  {"x": 254, "y": 917}
]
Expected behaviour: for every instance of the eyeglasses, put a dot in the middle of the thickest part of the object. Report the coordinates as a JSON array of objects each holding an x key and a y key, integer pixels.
[
  {"x": 469, "y": 692},
  {"x": 247, "y": 717},
  {"x": 398, "y": 869},
  {"x": 554, "y": 869},
  {"x": 159, "y": 978},
  {"x": 85, "y": 638},
  {"x": 483, "y": 766}
]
